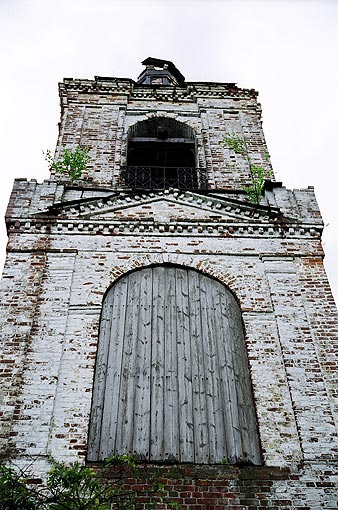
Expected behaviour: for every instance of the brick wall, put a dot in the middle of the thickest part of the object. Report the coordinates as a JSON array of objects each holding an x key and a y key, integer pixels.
[
  {"x": 69, "y": 242},
  {"x": 102, "y": 121},
  {"x": 235, "y": 488}
]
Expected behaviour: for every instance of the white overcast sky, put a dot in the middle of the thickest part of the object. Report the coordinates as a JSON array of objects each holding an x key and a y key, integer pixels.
[{"x": 287, "y": 50}]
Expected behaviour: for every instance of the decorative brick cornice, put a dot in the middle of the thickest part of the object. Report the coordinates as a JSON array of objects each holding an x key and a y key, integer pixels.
[
  {"x": 190, "y": 92},
  {"x": 148, "y": 227},
  {"x": 190, "y": 214}
]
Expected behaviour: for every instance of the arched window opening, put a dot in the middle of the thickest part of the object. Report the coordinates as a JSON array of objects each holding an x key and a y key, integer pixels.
[
  {"x": 172, "y": 381},
  {"x": 162, "y": 154}
]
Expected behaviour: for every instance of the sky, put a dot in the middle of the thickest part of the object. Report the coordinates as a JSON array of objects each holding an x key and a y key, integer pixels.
[{"x": 287, "y": 50}]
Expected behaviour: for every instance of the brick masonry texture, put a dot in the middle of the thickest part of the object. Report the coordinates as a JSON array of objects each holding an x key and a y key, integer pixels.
[
  {"x": 69, "y": 242},
  {"x": 99, "y": 114},
  {"x": 235, "y": 488}
]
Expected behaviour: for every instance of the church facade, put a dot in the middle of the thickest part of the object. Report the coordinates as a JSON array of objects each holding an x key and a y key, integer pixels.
[{"x": 151, "y": 308}]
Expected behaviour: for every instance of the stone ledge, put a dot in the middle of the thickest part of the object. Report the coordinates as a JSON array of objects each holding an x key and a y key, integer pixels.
[{"x": 149, "y": 227}]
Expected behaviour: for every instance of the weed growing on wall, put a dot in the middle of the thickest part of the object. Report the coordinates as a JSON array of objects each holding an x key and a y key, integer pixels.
[
  {"x": 259, "y": 174},
  {"x": 70, "y": 162},
  {"x": 235, "y": 142}
]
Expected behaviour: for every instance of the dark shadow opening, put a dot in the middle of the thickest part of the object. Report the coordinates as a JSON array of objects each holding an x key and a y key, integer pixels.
[{"x": 162, "y": 154}]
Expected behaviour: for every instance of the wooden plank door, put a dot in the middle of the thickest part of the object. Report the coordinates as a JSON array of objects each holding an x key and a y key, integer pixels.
[{"x": 172, "y": 380}]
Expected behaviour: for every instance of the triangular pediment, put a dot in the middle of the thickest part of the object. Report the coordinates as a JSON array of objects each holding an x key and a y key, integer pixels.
[
  {"x": 166, "y": 206},
  {"x": 161, "y": 210}
]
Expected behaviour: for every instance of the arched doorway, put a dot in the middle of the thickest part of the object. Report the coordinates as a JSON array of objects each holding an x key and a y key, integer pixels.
[{"x": 172, "y": 380}]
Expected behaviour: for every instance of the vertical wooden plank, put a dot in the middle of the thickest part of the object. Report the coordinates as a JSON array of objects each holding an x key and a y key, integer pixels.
[
  {"x": 115, "y": 340},
  {"x": 240, "y": 371},
  {"x": 215, "y": 404},
  {"x": 125, "y": 423},
  {"x": 184, "y": 362},
  {"x": 246, "y": 410},
  {"x": 141, "y": 428},
  {"x": 171, "y": 451},
  {"x": 234, "y": 438},
  {"x": 99, "y": 381},
  {"x": 201, "y": 433},
  {"x": 157, "y": 365}
]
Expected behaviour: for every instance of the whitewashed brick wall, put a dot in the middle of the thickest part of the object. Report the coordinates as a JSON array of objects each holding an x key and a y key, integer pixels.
[{"x": 60, "y": 264}]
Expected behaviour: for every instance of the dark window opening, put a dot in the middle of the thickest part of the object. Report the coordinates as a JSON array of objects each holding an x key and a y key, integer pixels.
[
  {"x": 167, "y": 153},
  {"x": 162, "y": 154}
]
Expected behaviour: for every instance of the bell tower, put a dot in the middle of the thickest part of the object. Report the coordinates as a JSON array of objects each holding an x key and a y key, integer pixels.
[{"x": 155, "y": 307}]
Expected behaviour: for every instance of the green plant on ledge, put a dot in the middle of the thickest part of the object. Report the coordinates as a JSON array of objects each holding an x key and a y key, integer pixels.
[
  {"x": 259, "y": 174},
  {"x": 70, "y": 162}
]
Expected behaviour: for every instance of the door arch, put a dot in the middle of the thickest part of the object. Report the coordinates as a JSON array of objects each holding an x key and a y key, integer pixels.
[{"x": 172, "y": 381}]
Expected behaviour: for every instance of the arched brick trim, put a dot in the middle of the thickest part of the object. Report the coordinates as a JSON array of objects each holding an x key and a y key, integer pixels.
[
  {"x": 149, "y": 116},
  {"x": 193, "y": 123},
  {"x": 204, "y": 266}
]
